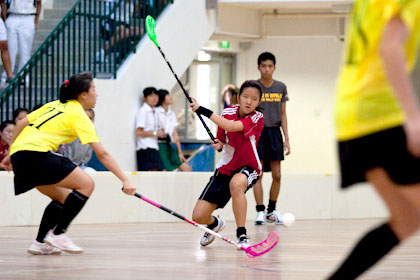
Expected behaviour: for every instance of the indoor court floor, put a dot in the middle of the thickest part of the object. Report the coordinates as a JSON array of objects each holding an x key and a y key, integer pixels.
[{"x": 307, "y": 250}]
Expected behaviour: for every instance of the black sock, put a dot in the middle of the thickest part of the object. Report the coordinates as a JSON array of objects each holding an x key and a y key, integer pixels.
[
  {"x": 271, "y": 206},
  {"x": 49, "y": 220},
  {"x": 72, "y": 206},
  {"x": 240, "y": 231},
  {"x": 260, "y": 208},
  {"x": 214, "y": 224},
  {"x": 370, "y": 249}
]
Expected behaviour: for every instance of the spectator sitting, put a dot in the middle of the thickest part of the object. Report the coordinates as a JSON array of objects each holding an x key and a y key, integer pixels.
[
  {"x": 19, "y": 114},
  {"x": 147, "y": 132},
  {"x": 78, "y": 153},
  {"x": 118, "y": 27},
  {"x": 6, "y": 134},
  {"x": 167, "y": 121}
]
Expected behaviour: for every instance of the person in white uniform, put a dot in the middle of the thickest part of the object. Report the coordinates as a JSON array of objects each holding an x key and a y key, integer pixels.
[
  {"x": 21, "y": 23},
  {"x": 5, "y": 55}
]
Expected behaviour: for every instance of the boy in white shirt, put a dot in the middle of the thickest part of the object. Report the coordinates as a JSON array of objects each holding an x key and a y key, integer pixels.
[{"x": 147, "y": 132}]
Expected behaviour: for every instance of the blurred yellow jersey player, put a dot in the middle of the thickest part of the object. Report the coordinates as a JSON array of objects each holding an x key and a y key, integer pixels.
[{"x": 363, "y": 107}]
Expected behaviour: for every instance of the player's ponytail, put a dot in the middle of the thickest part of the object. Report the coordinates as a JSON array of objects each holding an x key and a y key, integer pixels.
[{"x": 76, "y": 85}]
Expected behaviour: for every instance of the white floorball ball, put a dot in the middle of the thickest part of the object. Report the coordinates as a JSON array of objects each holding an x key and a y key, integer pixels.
[{"x": 288, "y": 219}]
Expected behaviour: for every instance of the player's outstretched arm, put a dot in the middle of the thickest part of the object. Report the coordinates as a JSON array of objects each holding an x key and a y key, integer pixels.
[
  {"x": 392, "y": 52},
  {"x": 223, "y": 123},
  {"x": 109, "y": 162}
]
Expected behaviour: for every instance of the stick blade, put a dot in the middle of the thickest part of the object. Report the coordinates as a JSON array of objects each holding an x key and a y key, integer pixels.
[
  {"x": 262, "y": 247},
  {"x": 150, "y": 28}
]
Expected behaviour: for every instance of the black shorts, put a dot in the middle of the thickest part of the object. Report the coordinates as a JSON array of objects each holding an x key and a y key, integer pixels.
[
  {"x": 149, "y": 160},
  {"x": 33, "y": 169},
  {"x": 217, "y": 190},
  {"x": 386, "y": 149},
  {"x": 270, "y": 146}
]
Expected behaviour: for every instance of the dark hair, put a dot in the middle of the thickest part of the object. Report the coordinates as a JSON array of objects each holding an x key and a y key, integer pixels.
[
  {"x": 162, "y": 94},
  {"x": 233, "y": 91},
  {"x": 148, "y": 91},
  {"x": 37, "y": 106},
  {"x": 76, "y": 85},
  {"x": 6, "y": 123},
  {"x": 253, "y": 84},
  {"x": 266, "y": 56},
  {"x": 18, "y": 111}
]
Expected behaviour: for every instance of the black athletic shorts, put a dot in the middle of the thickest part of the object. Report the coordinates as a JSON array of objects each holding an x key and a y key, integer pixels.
[
  {"x": 217, "y": 190},
  {"x": 270, "y": 146},
  {"x": 39, "y": 168},
  {"x": 386, "y": 149},
  {"x": 149, "y": 160}
]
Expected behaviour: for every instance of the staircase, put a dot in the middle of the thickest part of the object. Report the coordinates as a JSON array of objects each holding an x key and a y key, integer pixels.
[{"x": 67, "y": 43}]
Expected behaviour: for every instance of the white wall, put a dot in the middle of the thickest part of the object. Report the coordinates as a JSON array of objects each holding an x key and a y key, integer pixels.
[
  {"x": 181, "y": 30},
  {"x": 306, "y": 196},
  {"x": 309, "y": 67}
]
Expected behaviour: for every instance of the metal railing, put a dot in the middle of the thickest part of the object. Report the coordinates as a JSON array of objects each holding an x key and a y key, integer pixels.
[{"x": 95, "y": 36}]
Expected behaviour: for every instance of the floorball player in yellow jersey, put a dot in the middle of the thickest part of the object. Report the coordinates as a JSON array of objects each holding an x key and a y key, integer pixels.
[
  {"x": 378, "y": 122},
  {"x": 35, "y": 165}
]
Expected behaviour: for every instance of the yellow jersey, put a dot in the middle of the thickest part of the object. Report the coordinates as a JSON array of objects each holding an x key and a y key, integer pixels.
[
  {"x": 365, "y": 101},
  {"x": 53, "y": 124}
]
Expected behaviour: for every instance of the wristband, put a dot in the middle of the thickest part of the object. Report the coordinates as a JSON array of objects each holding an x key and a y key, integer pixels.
[{"x": 204, "y": 111}]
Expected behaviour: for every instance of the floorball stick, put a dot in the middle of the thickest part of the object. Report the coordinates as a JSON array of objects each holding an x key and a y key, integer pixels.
[
  {"x": 251, "y": 251},
  {"x": 150, "y": 28}
]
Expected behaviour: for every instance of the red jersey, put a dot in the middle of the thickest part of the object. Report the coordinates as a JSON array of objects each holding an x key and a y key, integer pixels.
[
  {"x": 240, "y": 148},
  {"x": 4, "y": 150}
]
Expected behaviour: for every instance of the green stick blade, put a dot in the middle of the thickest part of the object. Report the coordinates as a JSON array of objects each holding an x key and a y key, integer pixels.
[{"x": 150, "y": 28}]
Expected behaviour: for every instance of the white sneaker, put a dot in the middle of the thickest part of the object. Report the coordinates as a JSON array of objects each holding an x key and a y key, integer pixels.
[
  {"x": 63, "y": 242},
  {"x": 208, "y": 238},
  {"x": 37, "y": 248},
  {"x": 260, "y": 220},
  {"x": 274, "y": 217},
  {"x": 243, "y": 241}
]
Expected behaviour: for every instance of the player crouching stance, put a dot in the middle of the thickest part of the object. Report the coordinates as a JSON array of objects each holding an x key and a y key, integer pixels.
[
  {"x": 36, "y": 165},
  {"x": 239, "y": 166}
]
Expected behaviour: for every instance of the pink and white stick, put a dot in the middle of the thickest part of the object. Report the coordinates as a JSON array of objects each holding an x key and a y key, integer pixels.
[{"x": 251, "y": 251}]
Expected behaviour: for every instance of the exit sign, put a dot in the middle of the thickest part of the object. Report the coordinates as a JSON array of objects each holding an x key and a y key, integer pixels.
[{"x": 224, "y": 44}]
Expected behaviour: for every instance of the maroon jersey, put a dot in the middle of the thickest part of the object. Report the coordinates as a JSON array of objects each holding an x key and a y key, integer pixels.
[
  {"x": 4, "y": 150},
  {"x": 240, "y": 148}
]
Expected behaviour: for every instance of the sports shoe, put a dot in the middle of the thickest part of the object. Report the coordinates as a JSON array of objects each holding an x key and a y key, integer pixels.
[
  {"x": 207, "y": 238},
  {"x": 274, "y": 217},
  {"x": 243, "y": 241},
  {"x": 260, "y": 220},
  {"x": 63, "y": 242},
  {"x": 37, "y": 248}
]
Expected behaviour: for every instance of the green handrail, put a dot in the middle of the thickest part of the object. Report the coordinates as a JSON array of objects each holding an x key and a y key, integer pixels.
[{"x": 95, "y": 36}]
